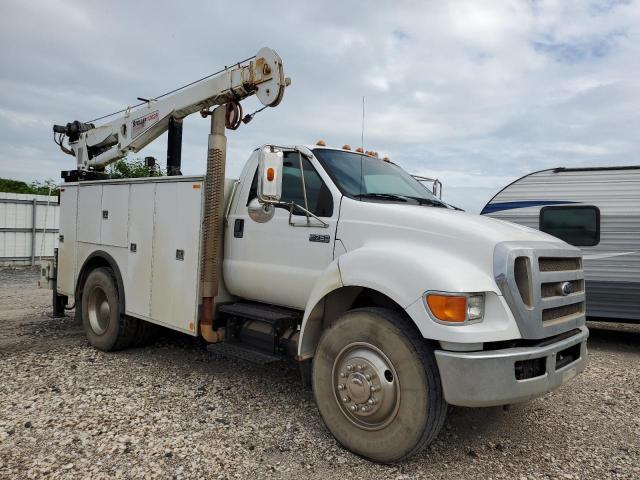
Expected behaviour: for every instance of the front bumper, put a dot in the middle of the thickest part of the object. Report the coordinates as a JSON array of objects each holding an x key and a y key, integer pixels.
[{"x": 487, "y": 378}]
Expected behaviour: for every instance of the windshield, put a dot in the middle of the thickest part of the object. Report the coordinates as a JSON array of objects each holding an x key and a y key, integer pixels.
[{"x": 364, "y": 177}]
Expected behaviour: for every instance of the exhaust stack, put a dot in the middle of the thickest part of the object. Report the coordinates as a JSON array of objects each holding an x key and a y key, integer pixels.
[{"x": 212, "y": 222}]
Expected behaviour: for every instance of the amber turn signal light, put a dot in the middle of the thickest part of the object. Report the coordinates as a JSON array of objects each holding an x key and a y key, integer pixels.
[{"x": 448, "y": 308}]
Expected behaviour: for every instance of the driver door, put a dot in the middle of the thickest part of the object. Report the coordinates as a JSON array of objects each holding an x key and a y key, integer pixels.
[{"x": 279, "y": 261}]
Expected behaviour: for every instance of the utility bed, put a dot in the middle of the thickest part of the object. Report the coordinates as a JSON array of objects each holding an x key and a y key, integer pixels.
[{"x": 151, "y": 228}]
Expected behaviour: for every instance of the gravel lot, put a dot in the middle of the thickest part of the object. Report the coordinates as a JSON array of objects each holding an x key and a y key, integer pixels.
[{"x": 171, "y": 411}]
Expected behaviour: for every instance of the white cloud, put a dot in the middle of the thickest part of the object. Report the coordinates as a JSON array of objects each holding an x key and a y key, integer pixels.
[{"x": 475, "y": 92}]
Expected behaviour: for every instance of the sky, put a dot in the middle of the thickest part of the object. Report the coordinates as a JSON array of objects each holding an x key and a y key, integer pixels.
[{"x": 475, "y": 93}]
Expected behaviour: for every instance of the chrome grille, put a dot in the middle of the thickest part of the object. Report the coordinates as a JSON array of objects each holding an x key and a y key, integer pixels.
[
  {"x": 554, "y": 264},
  {"x": 554, "y": 289},
  {"x": 543, "y": 284},
  {"x": 559, "y": 313}
]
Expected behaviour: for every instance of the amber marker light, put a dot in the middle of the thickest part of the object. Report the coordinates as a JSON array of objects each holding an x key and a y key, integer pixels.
[
  {"x": 321, "y": 143},
  {"x": 271, "y": 173},
  {"x": 448, "y": 308}
]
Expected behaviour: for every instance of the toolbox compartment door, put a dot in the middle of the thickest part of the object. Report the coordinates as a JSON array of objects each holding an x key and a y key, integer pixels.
[
  {"x": 140, "y": 248},
  {"x": 89, "y": 213},
  {"x": 115, "y": 206},
  {"x": 176, "y": 254},
  {"x": 67, "y": 240}
]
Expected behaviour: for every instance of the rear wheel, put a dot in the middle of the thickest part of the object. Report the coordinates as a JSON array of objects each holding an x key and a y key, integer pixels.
[
  {"x": 377, "y": 385},
  {"x": 106, "y": 327}
]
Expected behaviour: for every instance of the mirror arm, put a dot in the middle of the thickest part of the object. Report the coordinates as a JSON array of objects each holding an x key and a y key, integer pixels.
[
  {"x": 292, "y": 205},
  {"x": 304, "y": 187}
]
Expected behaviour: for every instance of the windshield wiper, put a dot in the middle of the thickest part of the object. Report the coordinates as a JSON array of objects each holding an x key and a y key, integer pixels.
[
  {"x": 385, "y": 196},
  {"x": 429, "y": 201}
]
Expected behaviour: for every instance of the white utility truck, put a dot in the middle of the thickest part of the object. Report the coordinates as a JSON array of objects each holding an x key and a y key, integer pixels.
[{"x": 395, "y": 303}]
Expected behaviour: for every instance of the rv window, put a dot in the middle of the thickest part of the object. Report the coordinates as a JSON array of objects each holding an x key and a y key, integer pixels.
[{"x": 577, "y": 225}]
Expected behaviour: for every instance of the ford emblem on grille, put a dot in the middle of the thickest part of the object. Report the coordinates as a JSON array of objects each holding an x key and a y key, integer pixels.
[{"x": 567, "y": 288}]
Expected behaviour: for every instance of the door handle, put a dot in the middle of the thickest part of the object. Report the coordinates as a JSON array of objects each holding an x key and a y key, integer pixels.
[{"x": 238, "y": 228}]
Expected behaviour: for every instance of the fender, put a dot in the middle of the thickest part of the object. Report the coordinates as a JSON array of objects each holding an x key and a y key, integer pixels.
[
  {"x": 314, "y": 311},
  {"x": 400, "y": 271},
  {"x": 403, "y": 270},
  {"x": 99, "y": 258}
]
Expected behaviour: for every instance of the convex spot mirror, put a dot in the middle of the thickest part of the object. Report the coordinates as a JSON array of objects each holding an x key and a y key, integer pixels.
[
  {"x": 270, "y": 176},
  {"x": 260, "y": 212}
]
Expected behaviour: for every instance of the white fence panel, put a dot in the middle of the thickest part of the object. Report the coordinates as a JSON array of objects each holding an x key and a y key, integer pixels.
[{"x": 18, "y": 244}]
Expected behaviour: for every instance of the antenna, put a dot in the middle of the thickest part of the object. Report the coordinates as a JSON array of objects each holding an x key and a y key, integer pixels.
[
  {"x": 362, "y": 148},
  {"x": 362, "y": 135}
]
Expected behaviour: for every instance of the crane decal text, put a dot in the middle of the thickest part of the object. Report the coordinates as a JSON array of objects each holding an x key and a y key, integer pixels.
[{"x": 140, "y": 124}]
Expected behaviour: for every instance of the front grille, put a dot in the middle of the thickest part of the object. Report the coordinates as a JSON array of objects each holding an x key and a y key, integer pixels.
[
  {"x": 554, "y": 289},
  {"x": 555, "y": 264},
  {"x": 555, "y": 313},
  {"x": 544, "y": 287}
]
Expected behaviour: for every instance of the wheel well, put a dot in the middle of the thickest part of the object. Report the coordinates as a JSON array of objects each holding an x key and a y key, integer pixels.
[
  {"x": 372, "y": 298},
  {"x": 337, "y": 302},
  {"x": 100, "y": 259}
]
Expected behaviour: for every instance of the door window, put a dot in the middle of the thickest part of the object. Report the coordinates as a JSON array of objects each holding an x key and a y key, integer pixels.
[
  {"x": 578, "y": 225},
  {"x": 319, "y": 198}
]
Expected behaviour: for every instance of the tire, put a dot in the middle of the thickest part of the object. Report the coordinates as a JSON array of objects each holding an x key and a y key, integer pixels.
[
  {"x": 375, "y": 348},
  {"x": 104, "y": 325}
]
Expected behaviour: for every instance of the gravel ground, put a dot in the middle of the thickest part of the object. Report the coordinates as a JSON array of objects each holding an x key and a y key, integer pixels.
[{"x": 170, "y": 410}]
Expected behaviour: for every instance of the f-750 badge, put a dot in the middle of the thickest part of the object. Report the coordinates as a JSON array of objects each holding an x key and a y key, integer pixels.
[{"x": 314, "y": 237}]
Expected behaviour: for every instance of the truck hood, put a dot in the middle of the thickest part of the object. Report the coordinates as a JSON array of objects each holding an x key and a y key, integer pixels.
[
  {"x": 440, "y": 222},
  {"x": 457, "y": 244}
]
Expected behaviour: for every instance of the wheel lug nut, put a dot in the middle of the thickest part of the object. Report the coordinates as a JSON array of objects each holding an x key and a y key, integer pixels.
[
  {"x": 353, "y": 408},
  {"x": 370, "y": 401},
  {"x": 345, "y": 399},
  {"x": 349, "y": 368},
  {"x": 341, "y": 386},
  {"x": 363, "y": 409},
  {"x": 368, "y": 376},
  {"x": 342, "y": 374}
]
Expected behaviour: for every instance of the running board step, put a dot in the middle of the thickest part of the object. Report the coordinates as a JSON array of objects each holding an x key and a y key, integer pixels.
[
  {"x": 276, "y": 316},
  {"x": 230, "y": 350}
]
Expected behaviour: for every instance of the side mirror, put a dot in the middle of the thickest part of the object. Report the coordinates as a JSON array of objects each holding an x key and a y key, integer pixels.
[
  {"x": 260, "y": 212},
  {"x": 270, "y": 176}
]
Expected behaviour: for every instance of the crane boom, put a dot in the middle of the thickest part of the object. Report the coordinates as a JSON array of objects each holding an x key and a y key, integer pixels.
[{"x": 97, "y": 146}]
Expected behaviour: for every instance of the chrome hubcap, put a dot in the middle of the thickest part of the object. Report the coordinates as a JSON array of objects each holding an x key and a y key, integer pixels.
[
  {"x": 365, "y": 385},
  {"x": 99, "y": 311}
]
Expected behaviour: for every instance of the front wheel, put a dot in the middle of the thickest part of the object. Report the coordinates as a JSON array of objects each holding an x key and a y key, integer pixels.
[{"x": 377, "y": 385}]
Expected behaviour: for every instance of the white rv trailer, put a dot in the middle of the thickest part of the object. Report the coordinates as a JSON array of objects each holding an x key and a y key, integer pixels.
[{"x": 596, "y": 209}]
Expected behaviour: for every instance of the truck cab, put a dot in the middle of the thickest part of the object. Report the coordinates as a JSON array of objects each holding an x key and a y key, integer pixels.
[{"x": 502, "y": 306}]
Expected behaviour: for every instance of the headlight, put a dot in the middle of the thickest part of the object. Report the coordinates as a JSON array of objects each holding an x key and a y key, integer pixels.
[
  {"x": 475, "y": 307},
  {"x": 455, "y": 308}
]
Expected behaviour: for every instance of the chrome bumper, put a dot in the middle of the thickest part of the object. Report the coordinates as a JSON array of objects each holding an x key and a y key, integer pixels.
[{"x": 487, "y": 378}]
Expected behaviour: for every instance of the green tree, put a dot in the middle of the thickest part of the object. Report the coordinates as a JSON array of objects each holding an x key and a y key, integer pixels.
[
  {"x": 43, "y": 188},
  {"x": 124, "y": 168},
  {"x": 135, "y": 168},
  {"x": 35, "y": 187}
]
